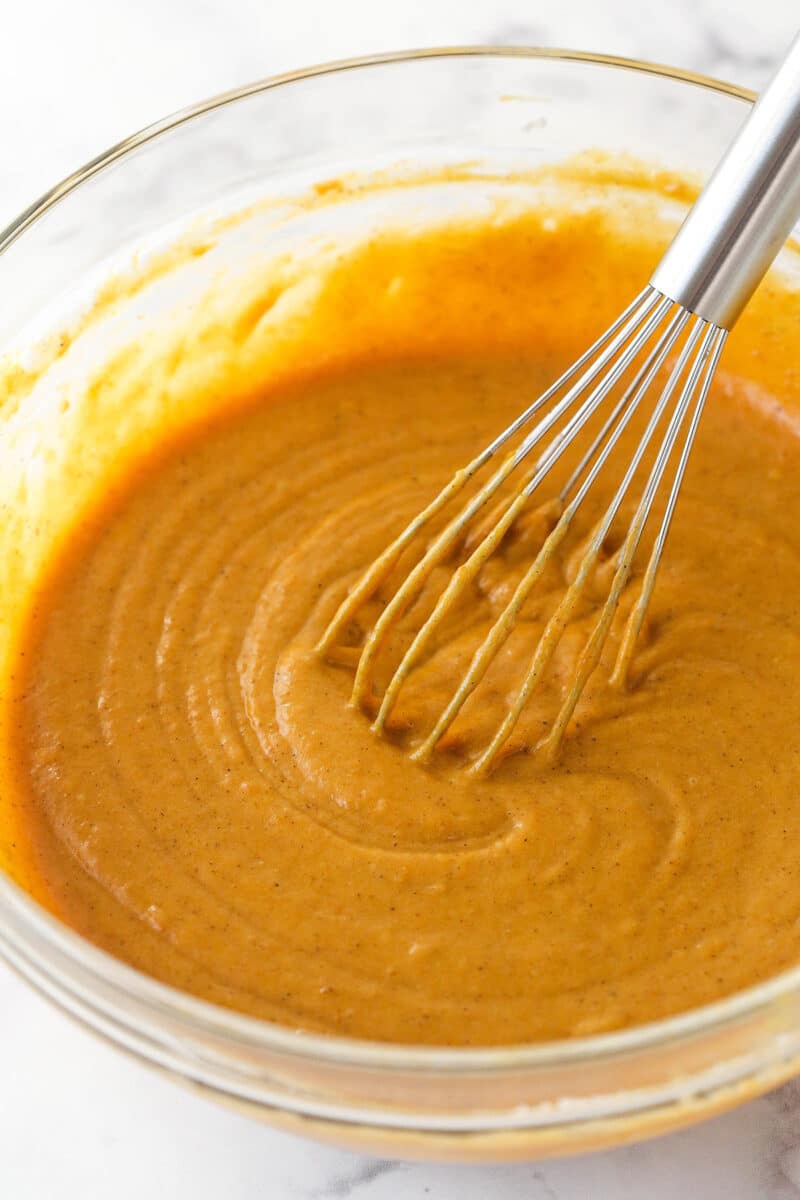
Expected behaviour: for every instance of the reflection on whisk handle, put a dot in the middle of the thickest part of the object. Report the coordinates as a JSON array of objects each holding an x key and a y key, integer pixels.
[{"x": 745, "y": 212}]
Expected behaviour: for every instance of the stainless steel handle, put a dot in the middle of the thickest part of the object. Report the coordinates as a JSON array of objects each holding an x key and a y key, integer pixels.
[{"x": 746, "y": 210}]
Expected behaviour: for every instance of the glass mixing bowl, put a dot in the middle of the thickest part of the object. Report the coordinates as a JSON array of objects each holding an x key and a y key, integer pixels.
[{"x": 504, "y": 106}]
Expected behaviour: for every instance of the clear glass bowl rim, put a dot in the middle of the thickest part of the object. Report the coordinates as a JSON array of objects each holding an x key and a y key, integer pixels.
[{"x": 20, "y": 915}]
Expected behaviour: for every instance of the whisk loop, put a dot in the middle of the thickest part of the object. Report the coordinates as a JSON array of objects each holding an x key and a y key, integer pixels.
[{"x": 573, "y": 399}]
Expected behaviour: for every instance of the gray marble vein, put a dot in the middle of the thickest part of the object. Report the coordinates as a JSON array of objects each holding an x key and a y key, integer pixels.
[
  {"x": 349, "y": 1183},
  {"x": 782, "y": 1165}
]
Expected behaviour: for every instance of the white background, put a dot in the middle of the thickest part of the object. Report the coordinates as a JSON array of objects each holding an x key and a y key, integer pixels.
[{"x": 77, "y": 1119}]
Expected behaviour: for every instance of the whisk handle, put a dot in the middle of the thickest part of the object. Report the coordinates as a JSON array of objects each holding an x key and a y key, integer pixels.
[{"x": 746, "y": 210}]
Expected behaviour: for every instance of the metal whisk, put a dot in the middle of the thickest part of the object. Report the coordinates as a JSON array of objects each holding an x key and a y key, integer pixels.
[{"x": 695, "y": 295}]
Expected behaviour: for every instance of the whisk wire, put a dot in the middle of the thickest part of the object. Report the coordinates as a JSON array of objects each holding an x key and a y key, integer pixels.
[{"x": 588, "y": 384}]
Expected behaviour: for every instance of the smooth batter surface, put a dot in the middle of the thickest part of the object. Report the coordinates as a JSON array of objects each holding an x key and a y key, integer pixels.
[{"x": 199, "y": 799}]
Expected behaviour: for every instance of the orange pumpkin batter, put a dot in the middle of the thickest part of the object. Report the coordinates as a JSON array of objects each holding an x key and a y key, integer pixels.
[{"x": 194, "y": 793}]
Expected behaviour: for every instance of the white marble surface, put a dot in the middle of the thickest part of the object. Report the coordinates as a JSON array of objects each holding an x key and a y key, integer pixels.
[{"x": 76, "y": 1118}]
